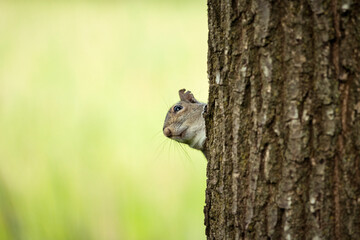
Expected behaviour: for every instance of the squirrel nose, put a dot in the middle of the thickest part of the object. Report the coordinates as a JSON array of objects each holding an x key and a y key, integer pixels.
[{"x": 167, "y": 132}]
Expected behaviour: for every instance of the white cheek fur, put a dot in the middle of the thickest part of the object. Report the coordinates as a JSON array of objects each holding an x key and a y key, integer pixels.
[
  {"x": 198, "y": 135},
  {"x": 198, "y": 141}
]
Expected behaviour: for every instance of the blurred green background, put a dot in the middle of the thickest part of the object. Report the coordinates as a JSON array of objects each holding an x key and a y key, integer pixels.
[{"x": 84, "y": 89}]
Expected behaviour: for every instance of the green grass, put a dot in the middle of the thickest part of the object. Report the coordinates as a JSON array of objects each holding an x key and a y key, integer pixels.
[{"x": 84, "y": 89}]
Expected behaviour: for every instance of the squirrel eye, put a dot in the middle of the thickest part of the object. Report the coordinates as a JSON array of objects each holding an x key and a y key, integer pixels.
[{"x": 177, "y": 108}]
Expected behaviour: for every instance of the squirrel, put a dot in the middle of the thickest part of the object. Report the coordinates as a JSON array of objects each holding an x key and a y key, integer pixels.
[{"x": 185, "y": 122}]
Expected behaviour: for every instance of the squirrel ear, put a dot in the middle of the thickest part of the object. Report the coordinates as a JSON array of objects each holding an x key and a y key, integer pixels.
[{"x": 187, "y": 96}]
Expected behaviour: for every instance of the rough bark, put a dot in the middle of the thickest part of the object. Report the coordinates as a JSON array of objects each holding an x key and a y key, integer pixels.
[{"x": 283, "y": 121}]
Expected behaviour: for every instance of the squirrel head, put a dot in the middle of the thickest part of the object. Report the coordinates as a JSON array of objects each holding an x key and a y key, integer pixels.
[{"x": 184, "y": 121}]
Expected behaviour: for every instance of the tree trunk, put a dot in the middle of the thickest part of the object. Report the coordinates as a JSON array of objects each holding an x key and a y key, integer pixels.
[{"x": 283, "y": 121}]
